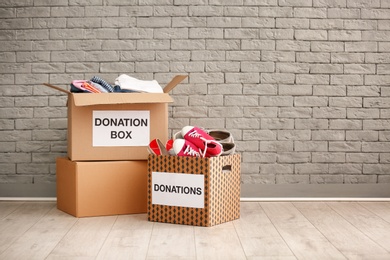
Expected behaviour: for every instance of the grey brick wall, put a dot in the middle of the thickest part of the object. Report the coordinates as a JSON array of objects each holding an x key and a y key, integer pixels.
[{"x": 303, "y": 85}]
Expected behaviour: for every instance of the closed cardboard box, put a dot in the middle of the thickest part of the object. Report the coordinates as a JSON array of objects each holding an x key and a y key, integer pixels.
[
  {"x": 116, "y": 126},
  {"x": 86, "y": 189},
  {"x": 194, "y": 191}
]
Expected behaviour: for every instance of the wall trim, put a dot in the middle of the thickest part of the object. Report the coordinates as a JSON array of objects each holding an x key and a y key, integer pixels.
[
  {"x": 30, "y": 190},
  {"x": 249, "y": 192},
  {"x": 315, "y": 192}
]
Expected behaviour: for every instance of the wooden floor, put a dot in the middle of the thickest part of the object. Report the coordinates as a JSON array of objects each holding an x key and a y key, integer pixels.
[{"x": 266, "y": 230}]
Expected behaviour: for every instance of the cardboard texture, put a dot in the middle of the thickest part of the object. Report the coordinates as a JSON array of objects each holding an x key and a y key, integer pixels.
[
  {"x": 86, "y": 189},
  {"x": 221, "y": 189},
  {"x": 116, "y": 137}
]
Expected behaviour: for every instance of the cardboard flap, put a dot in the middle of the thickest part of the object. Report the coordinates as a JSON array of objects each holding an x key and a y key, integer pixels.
[
  {"x": 57, "y": 88},
  {"x": 90, "y": 99},
  {"x": 86, "y": 99},
  {"x": 174, "y": 82}
]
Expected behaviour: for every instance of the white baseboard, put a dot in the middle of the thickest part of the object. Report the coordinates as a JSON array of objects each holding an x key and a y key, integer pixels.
[
  {"x": 249, "y": 192},
  {"x": 28, "y": 199},
  {"x": 317, "y": 192},
  {"x": 310, "y": 199},
  {"x": 30, "y": 190},
  {"x": 241, "y": 199}
]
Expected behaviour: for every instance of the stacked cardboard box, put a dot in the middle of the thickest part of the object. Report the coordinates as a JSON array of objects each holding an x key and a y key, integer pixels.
[
  {"x": 108, "y": 134},
  {"x": 88, "y": 188}
]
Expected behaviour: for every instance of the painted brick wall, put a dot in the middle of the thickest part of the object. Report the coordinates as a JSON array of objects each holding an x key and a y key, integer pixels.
[{"x": 304, "y": 85}]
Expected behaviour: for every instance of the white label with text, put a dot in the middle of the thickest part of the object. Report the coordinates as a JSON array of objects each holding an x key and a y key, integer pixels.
[
  {"x": 178, "y": 189},
  {"x": 120, "y": 128}
]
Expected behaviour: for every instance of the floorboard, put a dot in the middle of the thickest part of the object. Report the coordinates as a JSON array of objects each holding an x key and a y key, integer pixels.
[
  {"x": 304, "y": 240},
  {"x": 84, "y": 239},
  {"x": 349, "y": 240},
  {"x": 129, "y": 238},
  {"x": 265, "y": 230},
  {"x": 7, "y": 208},
  {"x": 370, "y": 224},
  {"x": 15, "y": 224},
  {"x": 220, "y": 242},
  {"x": 38, "y": 241},
  {"x": 381, "y": 209},
  {"x": 170, "y": 241},
  {"x": 259, "y": 237}
]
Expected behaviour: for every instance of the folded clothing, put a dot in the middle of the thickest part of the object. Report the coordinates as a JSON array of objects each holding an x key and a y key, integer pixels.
[
  {"x": 103, "y": 83},
  {"x": 89, "y": 86},
  {"x": 118, "y": 89},
  {"x": 98, "y": 87},
  {"x": 86, "y": 86},
  {"x": 77, "y": 86},
  {"x": 130, "y": 83}
]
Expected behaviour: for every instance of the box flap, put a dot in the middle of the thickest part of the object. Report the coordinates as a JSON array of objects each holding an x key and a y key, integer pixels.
[
  {"x": 66, "y": 185},
  {"x": 57, "y": 88},
  {"x": 174, "y": 82},
  {"x": 90, "y": 99}
]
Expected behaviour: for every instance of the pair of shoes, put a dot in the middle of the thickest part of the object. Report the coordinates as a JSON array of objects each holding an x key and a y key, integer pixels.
[
  {"x": 226, "y": 139},
  {"x": 223, "y": 137},
  {"x": 196, "y": 142}
]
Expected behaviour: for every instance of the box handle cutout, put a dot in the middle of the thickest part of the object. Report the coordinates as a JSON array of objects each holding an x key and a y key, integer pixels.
[{"x": 226, "y": 168}]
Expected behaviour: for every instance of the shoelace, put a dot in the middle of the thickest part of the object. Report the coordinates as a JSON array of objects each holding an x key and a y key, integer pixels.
[
  {"x": 191, "y": 152},
  {"x": 195, "y": 134}
]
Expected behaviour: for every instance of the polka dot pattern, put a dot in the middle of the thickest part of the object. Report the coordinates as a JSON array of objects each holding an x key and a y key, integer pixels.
[{"x": 221, "y": 184}]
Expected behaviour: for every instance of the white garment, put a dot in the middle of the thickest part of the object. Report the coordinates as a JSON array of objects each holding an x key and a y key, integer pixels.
[{"x": 130, "y": 83}]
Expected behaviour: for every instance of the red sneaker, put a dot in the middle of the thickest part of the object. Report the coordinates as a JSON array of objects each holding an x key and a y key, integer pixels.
[
  {"x": 185, "y": 148},
  {"x": 201, "y": 139},
  {"x": 156, "y": 147},
  {"x": 169, "y": 144},
  {"x": 169, "y": 147}
]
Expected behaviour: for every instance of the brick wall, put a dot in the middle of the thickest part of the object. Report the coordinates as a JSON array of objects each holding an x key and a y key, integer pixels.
[{"x": 302, "y": 84}]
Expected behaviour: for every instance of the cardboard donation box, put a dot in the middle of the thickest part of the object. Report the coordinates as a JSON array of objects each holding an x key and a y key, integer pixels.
[
  {"x": 87, "y": 189},
  {"x": 116, "y": 126},
  {"x": 194, "y": 191}
]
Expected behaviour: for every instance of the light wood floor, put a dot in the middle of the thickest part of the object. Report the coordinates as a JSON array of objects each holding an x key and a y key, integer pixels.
[{"x": 266, "y": 230}]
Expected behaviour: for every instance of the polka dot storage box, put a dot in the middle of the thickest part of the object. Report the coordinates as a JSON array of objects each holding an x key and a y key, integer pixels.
[{"x": 192, "y": 190}]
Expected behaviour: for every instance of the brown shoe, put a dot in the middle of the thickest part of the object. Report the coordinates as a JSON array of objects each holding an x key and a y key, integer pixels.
[
  {"x": 221, "y": 136},
  {"x": 228, "y": 148}
]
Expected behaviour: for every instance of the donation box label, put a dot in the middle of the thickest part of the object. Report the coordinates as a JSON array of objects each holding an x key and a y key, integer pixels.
[
  {"x": 120, "y": 128},
  {"x": 178, "y": 189}
]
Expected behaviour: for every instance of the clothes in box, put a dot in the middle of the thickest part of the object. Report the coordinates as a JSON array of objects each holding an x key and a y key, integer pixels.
[
  {"x": 116, "y": 126},
  {"x": 194, "y": 191},
  {"x": 87, "y": 189}
]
